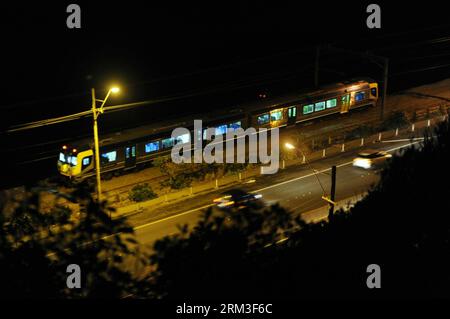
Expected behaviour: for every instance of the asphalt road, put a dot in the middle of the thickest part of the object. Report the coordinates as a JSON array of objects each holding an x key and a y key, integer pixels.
[{"x": 296, "y": 189}]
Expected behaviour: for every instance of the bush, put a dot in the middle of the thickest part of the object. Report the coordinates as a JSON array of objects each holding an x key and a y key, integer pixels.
[
  {"x": 395, "y": 120},
  {"x": 141, "y": 192},
  {"x": 179, "y": 181}
]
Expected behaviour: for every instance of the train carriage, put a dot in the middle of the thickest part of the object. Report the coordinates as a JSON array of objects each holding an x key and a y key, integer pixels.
[{"x": 135, "y": 148}]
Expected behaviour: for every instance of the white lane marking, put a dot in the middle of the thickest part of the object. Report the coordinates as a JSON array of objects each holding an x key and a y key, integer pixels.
[
  {"x": 259, "y": 190},
  {"x": 171, "y": 217}
]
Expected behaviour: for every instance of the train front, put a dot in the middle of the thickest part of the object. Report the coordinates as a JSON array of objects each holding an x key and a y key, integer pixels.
[
  {"x": 67, "y": 161},
  {"x": 74, "y": 162}
]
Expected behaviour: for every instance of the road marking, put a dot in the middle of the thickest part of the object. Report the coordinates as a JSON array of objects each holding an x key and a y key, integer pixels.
[
  {"x": 173, "y": 216},
  {"x": 259, "y": 190}
]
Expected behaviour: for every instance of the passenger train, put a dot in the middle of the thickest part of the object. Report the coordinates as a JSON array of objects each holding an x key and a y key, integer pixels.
[{"x": 136, "y": 148}]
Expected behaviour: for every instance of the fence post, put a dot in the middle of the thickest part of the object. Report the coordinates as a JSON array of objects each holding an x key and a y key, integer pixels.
[
  {"x": 283, "y": 164},
  {"x": 428, "y": 123},
  {"x": 362, "y": 141},
  {"x": 396, "y": 132},
  {"x": 343, "y": 147},
  {"x": 191, "y": 191},
  {"x": 304, "y": 159},
  {"x": 240, "y": 176},
  {"x": 413, "y": 126},
  {"x": 324, "y": 153},
  {"x": 217, "y": 183},
  {"x": 379, "y": 136}
]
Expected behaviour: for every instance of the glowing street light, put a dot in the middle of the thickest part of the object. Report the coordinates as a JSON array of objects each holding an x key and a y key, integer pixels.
[
  {"x": 115, "y": 89},
  {"x": 289, "y": 146},
  {"x": 95, "y": 113}
]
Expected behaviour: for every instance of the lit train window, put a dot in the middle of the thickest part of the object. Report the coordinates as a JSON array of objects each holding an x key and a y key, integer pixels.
[
  {"x": 62, "y": 157},
  {"x": 222, "y": 129},
  {"x": 168, "y": 142},
  {"x": 308, "y": 109},
  {"x": 276, "y": 116},
  {"x": 292, "y": 112},
  {"x": 86, "y": 161},
  {"x": 263, "y": 119},
  {"x": 110, "y": 156},
  {"x": 373, "y": 91},
  {"x": 331, "y": 103},
  {"x": 73, "y": 160},
  {"x": 359, "y": 96},
  {"x": 185, "y": 138},
  {"x": 320, "y": 106},
  {"x": 234, "y": 126},
  {"x": 151, "y": 147}
]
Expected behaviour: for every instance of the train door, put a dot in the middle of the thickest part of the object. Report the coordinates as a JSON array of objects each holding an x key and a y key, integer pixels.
[
  {"x": 345, "y": 103},
  {"x": 292, "y": 115},
  {"x": 130, "y": 156}
]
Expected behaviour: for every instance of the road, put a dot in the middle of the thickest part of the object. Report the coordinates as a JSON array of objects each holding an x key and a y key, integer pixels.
[{"x": 297, "y": 189}]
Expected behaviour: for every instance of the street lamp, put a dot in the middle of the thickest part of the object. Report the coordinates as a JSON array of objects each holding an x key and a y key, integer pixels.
[
  {"x": 329, "y": 199},
  {"x": 95, "y": 113},
  {"x": 289, "y": 146}
]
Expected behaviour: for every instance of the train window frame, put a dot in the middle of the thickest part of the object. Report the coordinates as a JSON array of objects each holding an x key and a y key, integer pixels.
[
  {"x": 328, "y": 103},
  {"x": 372, "y": 90},
  {"x": 278, "y": 112},
  {"x": 309, "y": 110},
  {"x": 147, "y": 147},
  {"x": 266, "y": 117},
  {"x": 172, "y": 143},
  {"x": 319, "y": 104},
  {"x": 72, "y": 160},
  {"x": 357, "y": 94},
  {"x": 220, "y": 130},
  {"x": 183, "y": 139},
  {"x": 83, "y": 162},
  {"x": 62, "y": 157},
  {"x": 292, "y": 112},
  {"x": 234, "y": 126},
  {"x": 107, "y": 156},
  {"x": 130, "y": 152}
]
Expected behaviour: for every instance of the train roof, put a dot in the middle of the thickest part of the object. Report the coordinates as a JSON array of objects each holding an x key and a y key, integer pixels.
[{"x": 158, "y": 128}]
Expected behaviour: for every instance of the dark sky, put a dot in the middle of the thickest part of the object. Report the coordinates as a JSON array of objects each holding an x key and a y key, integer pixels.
[{"x": 137, "y": 42}]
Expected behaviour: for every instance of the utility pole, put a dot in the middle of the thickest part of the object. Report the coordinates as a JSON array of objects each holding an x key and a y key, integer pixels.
[
  {"x": 95, "y": 113},
  {"x": 332, "y": 193},
  {"x": 381, "y": 61},
  {"x": 316, "y": 67},
  {"x": 385, "y": 83}
]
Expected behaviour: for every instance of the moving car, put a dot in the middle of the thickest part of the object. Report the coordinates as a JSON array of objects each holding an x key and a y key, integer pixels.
[
  {"x": 236, "y": 198},
  {"x": 371, "y": 159}
]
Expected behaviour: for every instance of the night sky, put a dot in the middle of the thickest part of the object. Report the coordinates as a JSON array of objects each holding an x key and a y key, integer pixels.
[{"x": 220, "y": 54}]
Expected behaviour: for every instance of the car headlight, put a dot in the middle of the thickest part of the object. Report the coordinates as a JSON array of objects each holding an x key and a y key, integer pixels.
[
  {"x": 362, "y": 162},
  {"x": 226, "y": 204}
]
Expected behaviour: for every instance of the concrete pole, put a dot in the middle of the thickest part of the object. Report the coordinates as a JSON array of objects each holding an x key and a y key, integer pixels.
[
  {"x": 96, "y": 146},
  {"x": 333, "y": 192},
  {"x": 385, "y": 85}
]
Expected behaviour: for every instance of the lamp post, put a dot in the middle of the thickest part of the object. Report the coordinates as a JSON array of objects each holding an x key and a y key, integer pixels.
[{"x": 95, "y": 113}]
